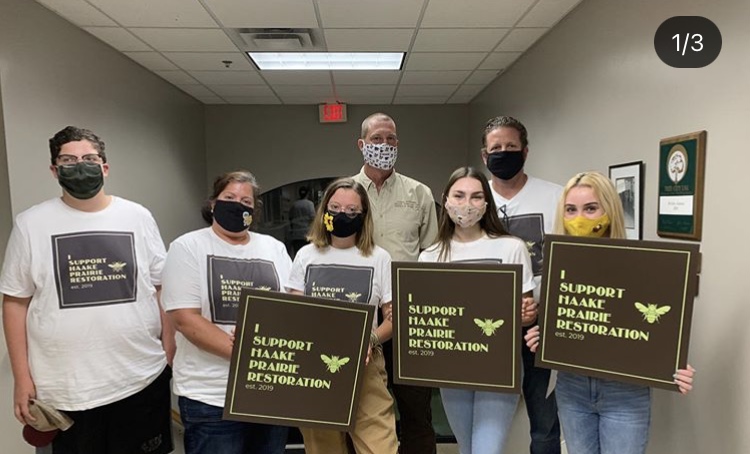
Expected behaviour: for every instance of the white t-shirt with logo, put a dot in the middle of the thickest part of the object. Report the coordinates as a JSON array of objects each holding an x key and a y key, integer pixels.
[
  {"x": 93, "y": 323},
  {"x": 504, "y": 249},
  {"x": 207, "y": 273},
  {"x": 530, "y": 215},
  {"x": 343, "y": 274}
]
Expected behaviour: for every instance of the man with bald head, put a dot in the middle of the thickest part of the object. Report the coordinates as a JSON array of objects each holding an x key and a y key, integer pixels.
[{"x": 403, "y": 210}]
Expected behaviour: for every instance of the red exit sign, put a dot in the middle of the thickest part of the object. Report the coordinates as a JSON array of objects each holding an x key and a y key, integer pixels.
[{"x": 332, "y": 113}]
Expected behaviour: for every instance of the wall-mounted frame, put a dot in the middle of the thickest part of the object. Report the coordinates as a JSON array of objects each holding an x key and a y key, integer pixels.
[
  {"x": 682, "y": 162},
  {"x": 628, "y": 180}
]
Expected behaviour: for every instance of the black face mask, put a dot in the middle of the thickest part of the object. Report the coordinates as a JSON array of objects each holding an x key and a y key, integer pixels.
[
  {"x": 505, "y": 164},
  {"x": 341, "y": 225},
  {"x": 232, "y": 216},
  {"x": 82, "y": 180}
]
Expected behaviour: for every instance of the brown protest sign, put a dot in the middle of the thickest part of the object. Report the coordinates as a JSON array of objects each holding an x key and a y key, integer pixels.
[
  {"x": 457, "y": 325},
  {"x": 297, "y": 361},
  {"x": 617, "y": 309}
]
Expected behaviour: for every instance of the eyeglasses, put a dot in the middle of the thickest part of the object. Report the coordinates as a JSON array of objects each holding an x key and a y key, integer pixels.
[
  {"x": 505, "y": 220},
  {"x": 69, "y": 159},
  {"x": 350, "y": 211}
]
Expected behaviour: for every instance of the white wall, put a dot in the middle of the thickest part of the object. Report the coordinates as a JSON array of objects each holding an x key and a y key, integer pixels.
[
  {"x": 593, "y": 93},
  {"x": 53, "y": 74},
  {"x": 283, "y": 144}
]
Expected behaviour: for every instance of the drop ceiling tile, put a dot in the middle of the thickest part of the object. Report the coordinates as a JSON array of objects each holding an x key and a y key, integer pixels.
[
  {"x": 206, "y": 61},
  {"x": 444, "y": 60},
  {"x": 308, "y": 91},
  {"x": 458, "y": 39},
  {"x": 177, "y": 77},
  {"x": 420, "y": 100},
  {"x": 119, "y": 38},
  {"x": 151, "y": 60},
  {"x": 520, "y": 39},
  {"x": 459, "y": 99},
  {"x": 547, "y": 13},
  {"x": 160, "y": 13},
  {"x": 370, "y": 39},
  {"x": 361, "y": 99},
  {"x": 475, "y": 13},
  {"x": 380, "y": 91},
  {"x": 366, "y": 77},
  {"x": 196, "y": 90},
  {"x": 426, "y": 90},
  {"x": 307, "y": 100},
  {"x": 482, "y": 77},
  {"x": 499, "y": 60},
  {"x": 252, "y": 99},
  {"x": 369, "y": 14},
  {"x": 210, "y": 99},
  {"x": 79, "y": 12},
  {"x": 469, "y": 90},
  {"x": 241, "y": 90},
  {"x": 228, "y": 77},
  {"x": 297, "y": 77},
  {"x": 434, "y": 77},
  {"x": 264, "y": 14},
  {"x": 185, "y": 39}
]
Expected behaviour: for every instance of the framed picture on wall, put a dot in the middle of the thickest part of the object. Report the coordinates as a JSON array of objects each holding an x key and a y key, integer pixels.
[{"x": 628, "y": 180}]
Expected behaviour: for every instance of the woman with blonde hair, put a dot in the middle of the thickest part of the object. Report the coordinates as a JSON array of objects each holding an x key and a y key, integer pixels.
[
  {"x": 600, "y": 416},
  {"x": 342, "y": 256}
]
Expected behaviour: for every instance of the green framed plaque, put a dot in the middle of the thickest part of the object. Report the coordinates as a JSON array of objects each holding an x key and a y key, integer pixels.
[
  {"x": 617, "y": 309},
  {"x": 682, "y": 163},
  {"x": 457, "y": 325},
  {"x": 297, "y": 361}
]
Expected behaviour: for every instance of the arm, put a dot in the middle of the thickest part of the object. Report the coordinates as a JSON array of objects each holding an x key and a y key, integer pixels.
[
  {"x": 167, "y": 330},
  {"x": 201, "y": 332},
  {"x": 385, "y": 330},
  {"x": 14, "y": 324}
]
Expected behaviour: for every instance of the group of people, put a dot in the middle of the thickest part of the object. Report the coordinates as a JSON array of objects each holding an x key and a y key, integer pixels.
[{"x": 95, "y": 310}]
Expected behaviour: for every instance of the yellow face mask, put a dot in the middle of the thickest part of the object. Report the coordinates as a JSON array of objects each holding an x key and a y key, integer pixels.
[{"x": 581, "y": 226}]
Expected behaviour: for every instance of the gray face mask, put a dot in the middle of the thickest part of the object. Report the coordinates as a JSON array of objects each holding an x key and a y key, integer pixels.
[{"x": 83, "y": 180}]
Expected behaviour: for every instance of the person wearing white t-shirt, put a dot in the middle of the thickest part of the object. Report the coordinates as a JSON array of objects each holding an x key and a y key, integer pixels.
[
  {"x": 203, "y": 276},
  {"x": 526, "y": 206},
  {"x": 470, "y": 231},
  {"x": 342, "y": 254},
  {"x": 82, "y": 322}
]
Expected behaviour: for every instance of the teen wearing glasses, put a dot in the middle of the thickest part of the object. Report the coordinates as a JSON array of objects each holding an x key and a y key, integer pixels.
[{"x": 342, "y": 256}]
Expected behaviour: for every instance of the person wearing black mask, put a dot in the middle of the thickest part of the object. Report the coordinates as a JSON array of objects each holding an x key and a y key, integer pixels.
[
  {"x": 82, "y": 321},
  {"x": 343, "y": 263},
  {"x": 526, "y": 207},
  {"x": 203, "y": 276}
]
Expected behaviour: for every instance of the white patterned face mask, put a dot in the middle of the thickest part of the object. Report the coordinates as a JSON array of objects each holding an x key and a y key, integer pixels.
[
  {"x": 465, "y": 215},
  {"x": 380, "y": 155}
]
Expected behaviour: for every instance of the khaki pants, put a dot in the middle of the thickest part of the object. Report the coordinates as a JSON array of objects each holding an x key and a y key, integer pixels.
[{"x": 375, "y": 423}]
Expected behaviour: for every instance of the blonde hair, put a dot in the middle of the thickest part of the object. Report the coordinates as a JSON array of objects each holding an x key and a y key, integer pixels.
[
  {"x": 605, "y": 191},
  {"x": 321, "y": 238}
]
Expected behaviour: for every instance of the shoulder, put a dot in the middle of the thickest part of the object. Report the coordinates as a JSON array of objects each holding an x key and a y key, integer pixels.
[
  {"x": 39, "y": 210},
  {"x": 430, "y": 254},
  {"x": 410, "y": 184},
  {"x": 192, "y": 237},
  {"x": 380, "y": 254},
  {"x": 541, "y": 186}
]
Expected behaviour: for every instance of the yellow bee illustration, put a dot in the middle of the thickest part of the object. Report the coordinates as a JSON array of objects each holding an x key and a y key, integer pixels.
[
  {"x": 247, "y": 218},
  {"x": 117, "y": 266},
  {"x": 328, "y": 222},
  {"x": 263, "y": 287},
  {"x": 353, "y": 296},
  {"x": 652, "y": 312},
  {"x": 333, "y": 362},
  {"x": 488, "y": 326}
]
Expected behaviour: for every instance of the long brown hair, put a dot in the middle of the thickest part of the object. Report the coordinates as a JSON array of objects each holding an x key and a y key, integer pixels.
[
  {"x": 490, "y": 222},
  {"x": 321, "y": 238}
]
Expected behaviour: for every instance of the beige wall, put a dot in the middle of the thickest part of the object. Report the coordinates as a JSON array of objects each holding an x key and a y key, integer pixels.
[
  {"x": 283, "y": 144},
  {"x": 53, "y": 74},
  {"x": 593, "y": 93}
]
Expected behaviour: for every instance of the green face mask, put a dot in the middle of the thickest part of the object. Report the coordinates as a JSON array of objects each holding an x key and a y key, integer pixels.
[
  {"x": 83, "y": 180},
  {"x": 581, "y": 226}
]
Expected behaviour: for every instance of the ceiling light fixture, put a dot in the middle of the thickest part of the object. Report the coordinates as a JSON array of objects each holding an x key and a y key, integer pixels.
[{"x": 295, "y": 61}]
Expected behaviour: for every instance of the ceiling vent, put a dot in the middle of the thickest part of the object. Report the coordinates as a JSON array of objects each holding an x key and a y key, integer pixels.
[{"x": 277, "y": 41}]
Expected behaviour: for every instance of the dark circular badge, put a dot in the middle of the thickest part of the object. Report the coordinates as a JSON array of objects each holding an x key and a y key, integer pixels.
[{"x": 687, "y": 41}]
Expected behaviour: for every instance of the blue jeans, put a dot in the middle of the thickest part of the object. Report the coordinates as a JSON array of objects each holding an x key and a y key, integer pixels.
[
  {"x": 603, "y": 416},
  {"x": 480, "y": 420},
  {"x": 207, "y": 433},
  {"x": 542, "y": 410}
]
